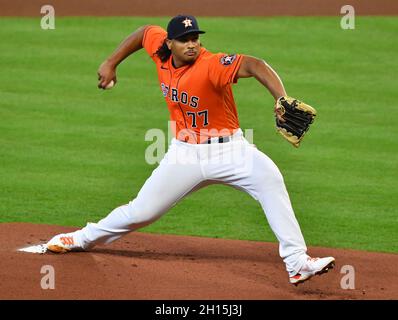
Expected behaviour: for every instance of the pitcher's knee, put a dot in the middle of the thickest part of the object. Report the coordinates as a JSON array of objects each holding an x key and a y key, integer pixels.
[
  {"x": 276, "y": 179},
  {"x": 267, "y": 171},
  {"x": 270, "y": 179}
]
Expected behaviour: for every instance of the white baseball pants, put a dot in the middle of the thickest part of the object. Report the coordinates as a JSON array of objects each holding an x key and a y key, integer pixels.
[{"x": 189, "y": 167}]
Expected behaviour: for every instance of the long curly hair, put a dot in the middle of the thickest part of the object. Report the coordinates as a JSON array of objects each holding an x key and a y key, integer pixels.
[{"x": 163, "y": 52}]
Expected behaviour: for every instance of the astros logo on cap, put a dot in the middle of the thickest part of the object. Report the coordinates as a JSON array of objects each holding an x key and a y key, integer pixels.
[{"x": 187, "y": 22}]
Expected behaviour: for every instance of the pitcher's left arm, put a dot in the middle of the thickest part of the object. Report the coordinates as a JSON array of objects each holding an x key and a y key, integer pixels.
[{"x": 258, "y": 68}]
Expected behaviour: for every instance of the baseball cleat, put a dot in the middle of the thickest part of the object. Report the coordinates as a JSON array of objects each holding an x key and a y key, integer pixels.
[
  {"x": 312, "y": 267},
  {"x": 63, "y": 243}
]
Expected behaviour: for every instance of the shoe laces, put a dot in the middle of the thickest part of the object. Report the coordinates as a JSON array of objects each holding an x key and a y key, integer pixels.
[{"x": 308, "y": 266}]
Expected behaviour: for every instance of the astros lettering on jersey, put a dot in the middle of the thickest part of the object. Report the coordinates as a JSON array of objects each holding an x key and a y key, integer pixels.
[{"x": 199, "y": 96}]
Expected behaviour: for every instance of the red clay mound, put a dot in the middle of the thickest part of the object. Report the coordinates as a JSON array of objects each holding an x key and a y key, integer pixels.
[{"x": 149, "y": 266}]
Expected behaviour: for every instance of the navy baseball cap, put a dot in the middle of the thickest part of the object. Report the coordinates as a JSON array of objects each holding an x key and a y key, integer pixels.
[{"x": 181, "y": 25}]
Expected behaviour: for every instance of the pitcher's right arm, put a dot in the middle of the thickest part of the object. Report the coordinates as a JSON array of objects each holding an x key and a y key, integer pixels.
[{"x": 107, "y": 70}]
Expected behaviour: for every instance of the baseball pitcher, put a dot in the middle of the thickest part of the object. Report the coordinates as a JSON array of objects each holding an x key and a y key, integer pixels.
[{"x": 208, "y": 146}]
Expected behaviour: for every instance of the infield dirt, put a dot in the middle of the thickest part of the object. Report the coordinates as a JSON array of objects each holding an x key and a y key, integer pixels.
[{"x": 149, "y": 266}]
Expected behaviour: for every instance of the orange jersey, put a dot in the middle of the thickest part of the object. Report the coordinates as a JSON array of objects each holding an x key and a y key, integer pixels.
[{"x": 199, "y": 96}]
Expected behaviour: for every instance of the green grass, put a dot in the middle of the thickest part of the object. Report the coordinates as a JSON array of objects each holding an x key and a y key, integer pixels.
[{"x": 71, "y": 153}]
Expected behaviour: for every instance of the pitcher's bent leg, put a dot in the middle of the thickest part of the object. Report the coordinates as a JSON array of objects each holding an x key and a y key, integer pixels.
[
  {"x": 264, "y": 182},
  {"x": 274, "y": 199},
  {"x": 168, "y": 183}
]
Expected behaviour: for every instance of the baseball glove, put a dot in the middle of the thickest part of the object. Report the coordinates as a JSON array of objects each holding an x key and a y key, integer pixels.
[{"x": 297, "y": 117}]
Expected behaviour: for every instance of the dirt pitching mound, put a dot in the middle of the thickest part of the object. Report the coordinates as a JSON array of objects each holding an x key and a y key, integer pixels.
[{"x": 149, "y": 266}]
